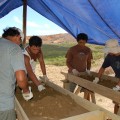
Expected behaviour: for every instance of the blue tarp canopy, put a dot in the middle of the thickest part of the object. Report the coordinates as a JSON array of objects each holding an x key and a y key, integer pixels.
[{"x": 100, "y": 19}]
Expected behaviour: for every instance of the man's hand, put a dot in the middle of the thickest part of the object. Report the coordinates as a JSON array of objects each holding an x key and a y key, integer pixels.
[
  {"x": 41, "y": 87},
  {"x": 28, "y": 95},
  {"x": 75, "y": 72},
  {"x": 116, "y": 88},
  {"x": 96, "y": 80}
]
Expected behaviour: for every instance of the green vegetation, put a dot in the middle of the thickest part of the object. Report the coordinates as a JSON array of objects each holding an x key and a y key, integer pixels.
[
  {"x": 98, "y": 54},
  {"x": 54, "y": 54}
]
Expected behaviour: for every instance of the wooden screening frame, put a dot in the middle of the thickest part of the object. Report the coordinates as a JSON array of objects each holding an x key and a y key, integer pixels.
[{"x": 94, "y": 110}]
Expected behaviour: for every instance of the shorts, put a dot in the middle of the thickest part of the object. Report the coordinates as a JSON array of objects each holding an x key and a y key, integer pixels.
[{"x": 8, "y": 115}]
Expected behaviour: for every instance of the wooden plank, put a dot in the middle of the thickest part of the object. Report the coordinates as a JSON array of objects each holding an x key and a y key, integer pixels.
[
  {"x": 21, "y": 115},
  {"x": 94, "y": 115},
  {"x": 84, "y": 103},
  {"x": 107, "y": 92},
  {"x": 80, "y": 101},
  {"x": 66, "y": 84},
  {"x": 77, "y": 90},
  {"x": 87, "y": 94}
]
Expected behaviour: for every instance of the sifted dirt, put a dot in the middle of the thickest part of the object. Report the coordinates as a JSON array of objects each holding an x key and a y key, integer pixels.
[
  {"x": 49, "y": 105},
  {"x": 53, "y": 73},
  {"x": 106, "y": 83}
]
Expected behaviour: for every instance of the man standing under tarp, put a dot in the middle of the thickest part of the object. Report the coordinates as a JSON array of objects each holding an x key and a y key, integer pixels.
[{"x": 79, "y": 59}]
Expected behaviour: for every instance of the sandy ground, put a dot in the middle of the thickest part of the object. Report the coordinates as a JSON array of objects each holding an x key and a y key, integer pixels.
[{"x": 54, "y": 74}]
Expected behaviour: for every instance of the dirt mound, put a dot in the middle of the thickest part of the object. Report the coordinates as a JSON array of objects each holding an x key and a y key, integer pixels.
[
  {"x": 55, "y": 76},
  {"x": 49, "y": 105}
]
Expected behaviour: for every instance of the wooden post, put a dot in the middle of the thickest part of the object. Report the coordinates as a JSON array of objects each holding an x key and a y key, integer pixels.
[
  {"x": 118, "y": 113},
  {"x": 93, "y": 97},
  {"x": 76, "y": 91},
  {"x": 24, "y": 20}
]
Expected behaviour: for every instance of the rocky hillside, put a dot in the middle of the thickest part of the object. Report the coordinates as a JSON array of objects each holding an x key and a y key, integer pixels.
[{"x": 57, "y": 38}]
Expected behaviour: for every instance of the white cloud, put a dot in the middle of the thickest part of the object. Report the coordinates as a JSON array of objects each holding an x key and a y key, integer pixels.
[
  {"x": 32, "y": 24},
  {"x": 40, "y": 29},
  {"x": 17, "y": 20},
  {"x": 46, "y": 25},
  {"x": 29, "y": 23}
]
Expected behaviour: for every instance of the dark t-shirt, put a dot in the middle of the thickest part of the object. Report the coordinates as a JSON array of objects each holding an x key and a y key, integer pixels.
[
  {"x": 77, "y": 58},
  {"x": 114, "y": 62}
]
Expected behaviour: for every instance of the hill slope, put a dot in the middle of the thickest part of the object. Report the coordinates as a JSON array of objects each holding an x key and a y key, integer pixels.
[{"x": 57, "y": 38}]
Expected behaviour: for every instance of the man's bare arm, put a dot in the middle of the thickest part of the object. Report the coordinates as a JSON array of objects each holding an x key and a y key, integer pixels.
[{"x": 22, "y": 80}]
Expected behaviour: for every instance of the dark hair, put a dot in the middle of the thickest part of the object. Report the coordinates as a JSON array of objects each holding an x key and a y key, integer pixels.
[
  {"x": 36, "y": 41},
  {"x": 11, "y": 31},
  {"x": 82, "y": 36}
]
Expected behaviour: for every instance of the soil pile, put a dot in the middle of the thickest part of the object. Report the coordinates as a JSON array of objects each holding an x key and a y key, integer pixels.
[{"x": 49, "y": 105}]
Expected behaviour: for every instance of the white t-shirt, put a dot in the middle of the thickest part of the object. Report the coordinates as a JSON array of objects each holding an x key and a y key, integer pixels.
[{"x": 32, "y": 62}]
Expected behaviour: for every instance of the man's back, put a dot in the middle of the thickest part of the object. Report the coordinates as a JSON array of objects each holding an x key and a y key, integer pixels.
[{"x": 10, "y": 55}]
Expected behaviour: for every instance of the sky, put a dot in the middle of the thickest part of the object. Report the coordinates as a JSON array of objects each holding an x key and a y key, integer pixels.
[{"x": 36, "y": 23}]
